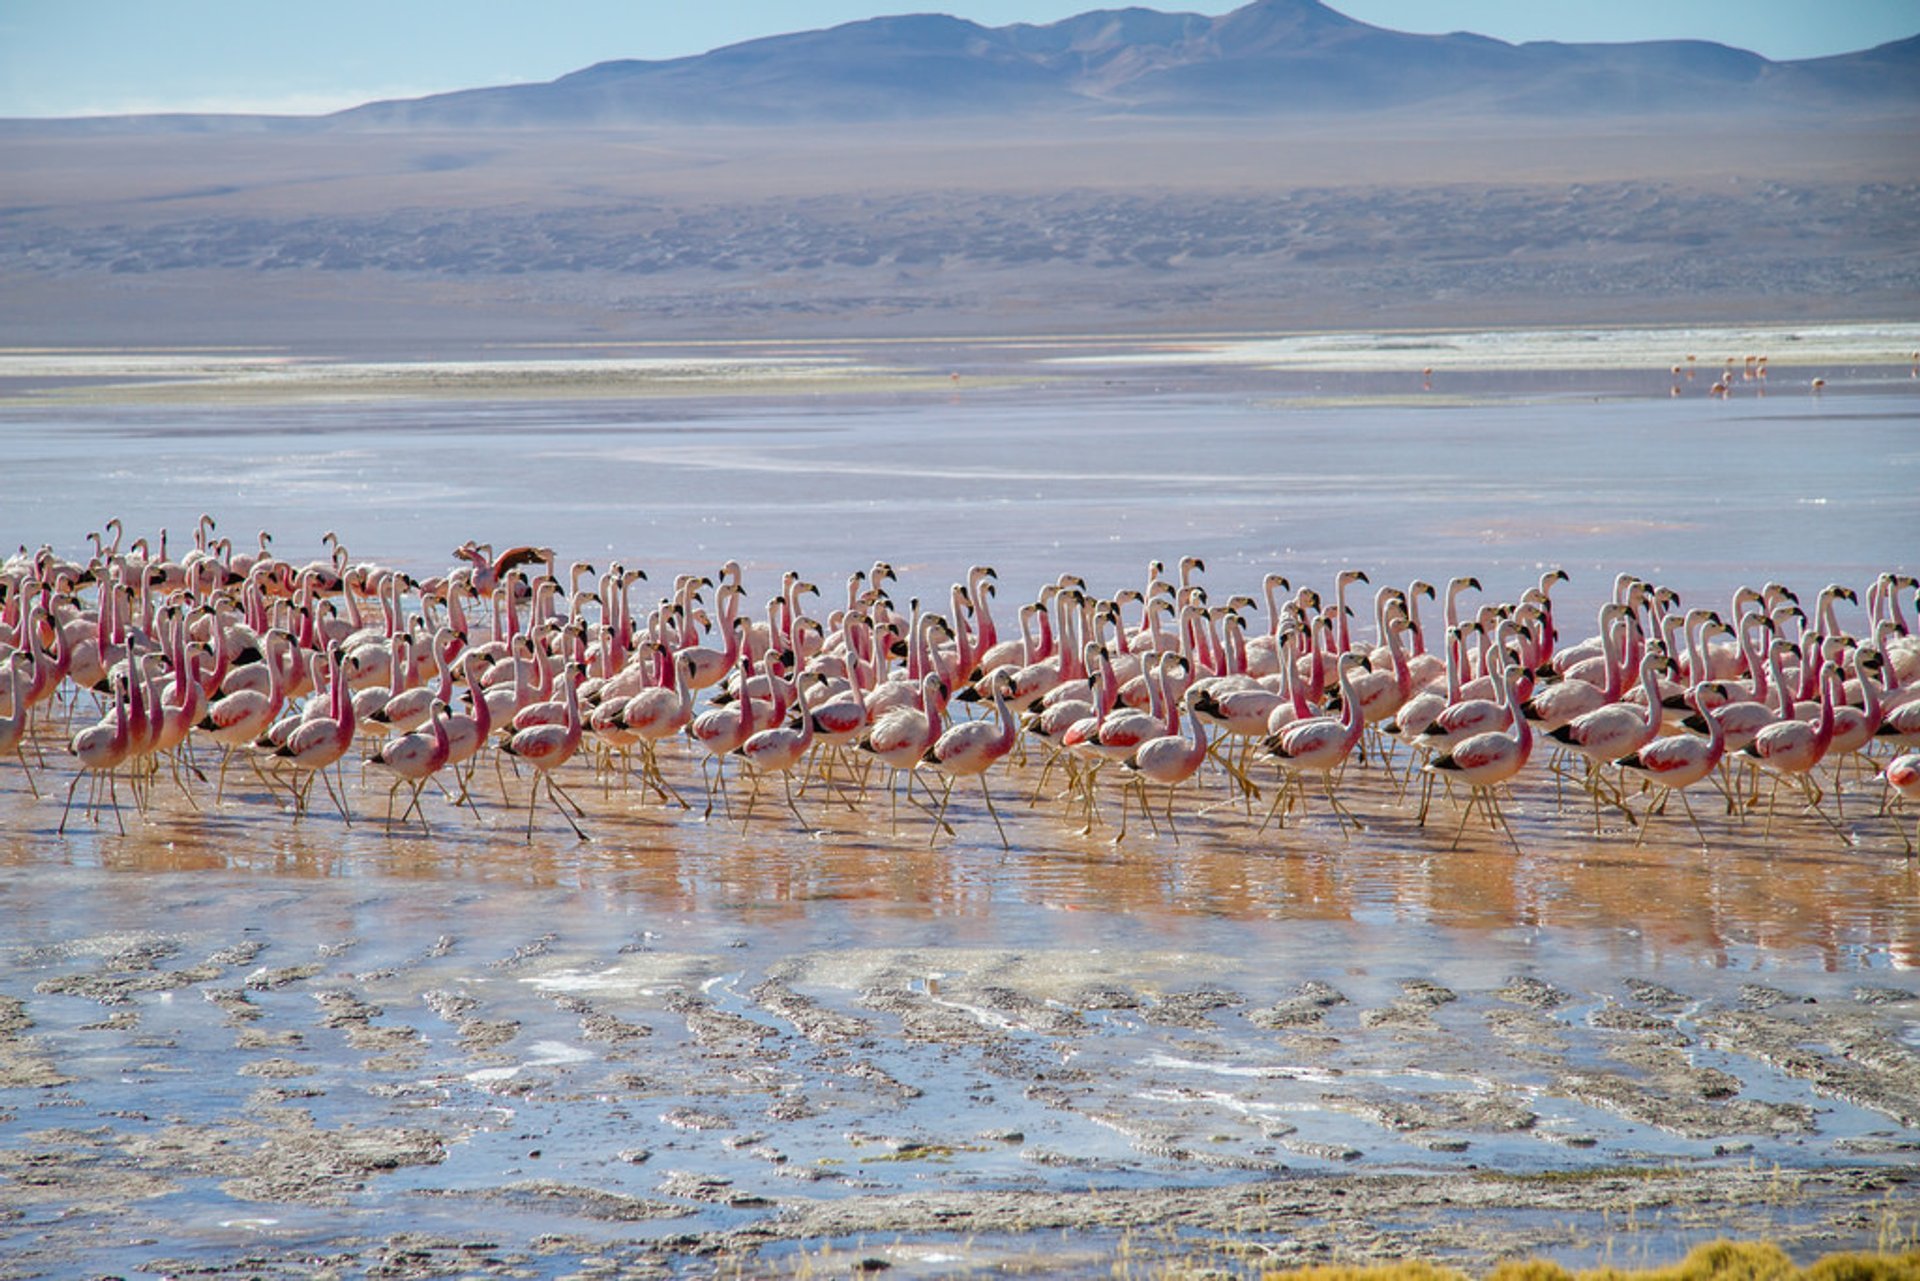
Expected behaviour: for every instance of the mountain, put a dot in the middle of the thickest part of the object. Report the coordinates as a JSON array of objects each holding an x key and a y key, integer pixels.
[{"x": 1269, "y": 57}]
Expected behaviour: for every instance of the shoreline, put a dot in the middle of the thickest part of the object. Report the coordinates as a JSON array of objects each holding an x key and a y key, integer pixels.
[{"x": 1681, "y": 359}]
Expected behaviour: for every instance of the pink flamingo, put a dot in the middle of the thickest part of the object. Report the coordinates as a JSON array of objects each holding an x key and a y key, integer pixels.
[
  {"x": 1854, "y": 727},
  {"x": 720, "y": 731},
  {"x": 318, "y": 743},
  {"x": 414, "y": 758},
  {"x": 13, "y": 726},
  {"x": 1567, "y": 700},
  {"x": 972, "y": 748},
  {"x": 101, "y": 749},
  {"x": 468, "y": 731},
  {"x": 1169, "y": 760},
  {"x": 549, "y": 746},
  {"x": 1319, "y": 745},
  {"x": 1676, "y": 762},
  {"x": 903, "y": 735},
  {"x": 659, "y": 713},
  {"x": 1903, "y": 776},
  {"x": 777, "y": 750},
  {"x": 241, "y": 717},
  {"x": 1606, "y": 734},
  {"x": 1489, "y": 759},
  {"x": 1791, "y": 749}
]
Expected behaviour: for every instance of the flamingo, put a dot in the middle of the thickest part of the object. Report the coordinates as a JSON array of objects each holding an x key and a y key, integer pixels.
[
  {"x": 101, "y": 749},
  {"x": 1677, "y": 762},
  {"x": 547, "y": 747},
  {"x": 972, "y": 748},
  {"x": 776, "y": 750},
  {"x": 1606, "y": 734},
  {"x": 1791, "y": 748},
  {"x": 1903, "y": 776},
  {"x": 13, "y": 726},
  {"x": 414, "y": 759},
  {"x": 1489, "y": 759},
  {"x": 1320, "y": 745},
  {"x": 238, "y": 719},
  {"x": 902, "y": 736},
  {"x": 1854, "y": 727},
  {"x": 1169, "y": 760},
  {"x": 320, "y": 742},
  {"x": 659, "y": 713},
  {"x": 721, "y": 730}
]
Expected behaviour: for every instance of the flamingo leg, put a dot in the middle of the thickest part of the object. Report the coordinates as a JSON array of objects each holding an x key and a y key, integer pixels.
[
  {"x": 1340, "y": 812},
  {"x": 557, "y": 794},
  {"x": 753, "y": 798},
  {"x": 1278, "y": 797},
  {"x": 1426, "y": 800},
  {"x": 1140, "y": 786},
  {"x": 417, "y": 808},
  {"x": 786, "y": 778},
  {"x": 1501, "y": 815},
  {"x": 1004, "y": 843},
  {"x": 940, "y": 819},
  {"x": 1472, "y": 796},
  {"x": 28, "y": 771},
  {"x": 1040, "y": 788},
  {"x": 62, "y": 829},
  {"x": 113, "y": 799},
  {"x": 1698, "y": 830},
  {"x": 339, "y": 804}
]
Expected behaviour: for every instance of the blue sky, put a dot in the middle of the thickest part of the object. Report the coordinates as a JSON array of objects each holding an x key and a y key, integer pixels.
[{"x": 83, "y": 57}]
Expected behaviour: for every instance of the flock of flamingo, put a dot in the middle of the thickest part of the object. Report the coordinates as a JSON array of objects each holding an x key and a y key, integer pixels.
[{"x": 134, "y": 659}]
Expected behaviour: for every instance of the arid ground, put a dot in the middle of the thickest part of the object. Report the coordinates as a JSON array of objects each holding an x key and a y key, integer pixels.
[{"x": 379, "y": 241}]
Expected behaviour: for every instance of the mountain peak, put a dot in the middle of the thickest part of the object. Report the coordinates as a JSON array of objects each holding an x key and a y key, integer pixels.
[{"x": 1265, "y": 23}]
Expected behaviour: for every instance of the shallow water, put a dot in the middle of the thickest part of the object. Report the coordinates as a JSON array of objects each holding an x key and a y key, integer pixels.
[
  {"x": 1070, "y": 471},
  {"x": 1062, "y": 1014}
]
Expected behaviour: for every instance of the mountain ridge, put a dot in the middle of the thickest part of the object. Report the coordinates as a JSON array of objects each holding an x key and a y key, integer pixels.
[{"x": 1266, "y": 58}]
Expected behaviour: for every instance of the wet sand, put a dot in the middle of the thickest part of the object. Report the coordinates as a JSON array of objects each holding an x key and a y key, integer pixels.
[{"x": 233, "y": 1042}]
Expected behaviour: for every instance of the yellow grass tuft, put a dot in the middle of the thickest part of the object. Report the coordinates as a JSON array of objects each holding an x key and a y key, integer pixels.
[{"x": 1716, "y": 1261}]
